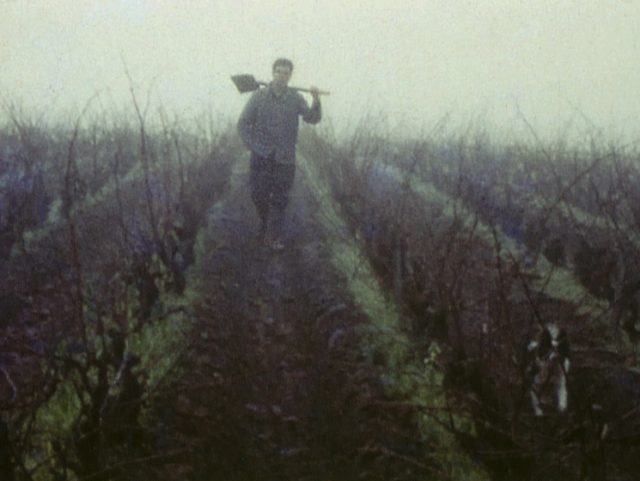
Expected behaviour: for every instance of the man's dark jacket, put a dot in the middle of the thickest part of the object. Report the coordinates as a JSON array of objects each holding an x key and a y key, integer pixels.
[{"x": 268, "y": 124}]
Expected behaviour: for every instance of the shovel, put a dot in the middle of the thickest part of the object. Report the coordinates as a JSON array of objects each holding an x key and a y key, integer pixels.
[{"x": 248, "y": 83}]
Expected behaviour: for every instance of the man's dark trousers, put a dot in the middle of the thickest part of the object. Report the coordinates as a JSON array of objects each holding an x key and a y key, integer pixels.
[{"x": 270, "y": 182}]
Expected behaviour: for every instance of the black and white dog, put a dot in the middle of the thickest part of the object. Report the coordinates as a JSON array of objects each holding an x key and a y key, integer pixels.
[{"x": 547, "y": 369}]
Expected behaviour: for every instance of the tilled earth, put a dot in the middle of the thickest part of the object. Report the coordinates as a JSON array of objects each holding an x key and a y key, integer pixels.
[{"x": 274, "y": 386}]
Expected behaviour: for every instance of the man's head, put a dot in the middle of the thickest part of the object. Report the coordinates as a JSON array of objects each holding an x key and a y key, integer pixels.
[{"x": 282, "y": 69}]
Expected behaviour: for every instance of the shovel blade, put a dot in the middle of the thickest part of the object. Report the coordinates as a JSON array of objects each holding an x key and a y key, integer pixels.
[{"x": 245, "y": 83}]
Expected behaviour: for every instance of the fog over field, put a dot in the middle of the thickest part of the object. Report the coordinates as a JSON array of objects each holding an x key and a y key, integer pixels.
[
  {"x": 488, "y": 61},
  {"x": 446, "y": 289}
]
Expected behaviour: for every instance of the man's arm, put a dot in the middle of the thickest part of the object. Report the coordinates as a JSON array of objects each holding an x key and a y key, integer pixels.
[
  {"x": 314, "y": 114},
  {"x": 247, "y": 128}
]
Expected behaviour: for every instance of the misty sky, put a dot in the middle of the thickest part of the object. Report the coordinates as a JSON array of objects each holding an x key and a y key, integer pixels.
[{"x": 484, "y": 60}]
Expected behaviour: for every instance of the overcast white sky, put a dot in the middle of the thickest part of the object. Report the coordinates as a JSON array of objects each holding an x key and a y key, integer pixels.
[{"x": 415, "y": 60}]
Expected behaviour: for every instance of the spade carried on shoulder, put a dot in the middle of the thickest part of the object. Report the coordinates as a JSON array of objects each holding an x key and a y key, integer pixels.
[{"x": 248, "y": 83}]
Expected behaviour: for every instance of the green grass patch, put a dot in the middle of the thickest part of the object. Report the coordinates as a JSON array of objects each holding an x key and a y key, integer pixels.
[
  {"x": 556, "y": 282},
  {"x": 417, "y": 381}
]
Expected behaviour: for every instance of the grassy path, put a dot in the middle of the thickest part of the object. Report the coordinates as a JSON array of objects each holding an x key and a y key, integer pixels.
[
  {"x": 556, "y": 282},
  {"x": 297, "y": 368},
  {"x": 408, "y": 377}
]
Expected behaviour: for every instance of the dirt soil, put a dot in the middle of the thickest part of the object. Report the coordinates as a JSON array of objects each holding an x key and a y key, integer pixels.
[{"x": 274, "y": 386}]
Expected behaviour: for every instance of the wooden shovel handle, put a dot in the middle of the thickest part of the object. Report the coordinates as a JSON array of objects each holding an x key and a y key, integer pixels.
[{"x": 299, "y": 89}]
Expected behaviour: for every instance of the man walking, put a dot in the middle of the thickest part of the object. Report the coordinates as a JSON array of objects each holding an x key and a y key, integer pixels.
[{"x": 268, "y": 127}]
